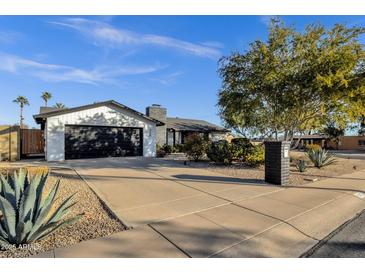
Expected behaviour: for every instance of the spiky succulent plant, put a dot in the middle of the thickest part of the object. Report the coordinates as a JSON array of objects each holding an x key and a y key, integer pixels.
[
  {"x": 320, "y": 157},
  {"x": 28, "y": 212},
  {"x": 301, "y": 166}
]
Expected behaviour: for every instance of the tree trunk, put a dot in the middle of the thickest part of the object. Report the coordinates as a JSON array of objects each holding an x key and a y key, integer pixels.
[
  {"x": 298, "y": 141},
  {"x": 21, "y": 116}
]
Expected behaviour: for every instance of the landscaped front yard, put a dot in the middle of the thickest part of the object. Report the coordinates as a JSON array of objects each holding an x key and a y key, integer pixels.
[
  {"x": 340, "y": 167},
  {"x": 96, "y": 221}
]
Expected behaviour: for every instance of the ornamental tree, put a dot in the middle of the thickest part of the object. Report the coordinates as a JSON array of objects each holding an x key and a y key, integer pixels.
[{"x": 294, "y": 81}]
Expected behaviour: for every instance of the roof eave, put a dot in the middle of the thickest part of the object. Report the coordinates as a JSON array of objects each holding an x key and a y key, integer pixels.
[
  {"x": 44, "y": 116},
  {"x": 203, "y": 130}
]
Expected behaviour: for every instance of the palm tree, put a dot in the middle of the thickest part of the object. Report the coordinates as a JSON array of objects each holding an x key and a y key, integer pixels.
[
  {"x": 59, "y": 105},
  {"x": 46, "y": 96},
  {"x": 21, "y": 101}
]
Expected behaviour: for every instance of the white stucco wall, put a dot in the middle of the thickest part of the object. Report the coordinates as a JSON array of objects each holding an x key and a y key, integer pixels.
[
  {"x": 217, "y": 136},
  {"x": 99, "y": 116}
]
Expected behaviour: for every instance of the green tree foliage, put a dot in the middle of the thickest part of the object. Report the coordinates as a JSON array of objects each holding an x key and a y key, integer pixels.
[
  {"x": 333, "y": 132},
  {"x": 22, "y": 102},
  {"x": 46, "y": 96},
  {"x": 295, "y": 81},
  {"x": 59, "y": 105}
]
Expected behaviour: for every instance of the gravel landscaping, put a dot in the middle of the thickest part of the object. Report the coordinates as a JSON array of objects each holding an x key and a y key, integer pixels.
[
  {"x": 341, "y": 167},
  {"x": 96, "y": 222}
]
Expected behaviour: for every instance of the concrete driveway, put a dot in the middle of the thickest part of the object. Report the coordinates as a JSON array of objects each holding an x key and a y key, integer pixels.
[
  {"x": 180, "y": 211},
  {"x": 144, "y": 191}
]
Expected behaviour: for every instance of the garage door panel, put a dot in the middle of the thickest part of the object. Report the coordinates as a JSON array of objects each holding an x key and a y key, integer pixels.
[{"x": 99, "y": 141}]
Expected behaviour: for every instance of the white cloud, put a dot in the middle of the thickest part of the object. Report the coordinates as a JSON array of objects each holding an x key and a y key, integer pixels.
[
  {"x": 168, "y": 79},
  {"x": 61, "y": 73},
  {"x": 9, "y": 37},
  {"x": 105, "y": 34}
]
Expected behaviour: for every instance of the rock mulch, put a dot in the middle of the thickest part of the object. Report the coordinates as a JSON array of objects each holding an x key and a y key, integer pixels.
[
  {"x": 341, "y": 167},
  {"x": 96, "y": 222}
]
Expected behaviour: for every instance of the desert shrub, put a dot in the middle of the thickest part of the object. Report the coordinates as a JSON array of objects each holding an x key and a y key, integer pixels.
[
  {"x": 240, "y": 148},
  {"x": 177, "y": 148},
  {"x": 301, "y": 166},
  {"x": 256, "y": 156},
  {"x": 320, "y": 158},
  {"x": 160, "y": 152},
  {"x": 29, "y": 213},
  {"x": 195, "y": 147},
  {"x": 220, "y": 152},
  {"x": 313, "y": 147},
  {"x": 167, "y": 148}
]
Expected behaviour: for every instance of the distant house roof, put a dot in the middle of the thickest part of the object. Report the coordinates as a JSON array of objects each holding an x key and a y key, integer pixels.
[
  {"x": 181, "y": 124},
  {"x": 312, "y": 136},
  {"x": 47, "y": 109},
  {"x": 39, "y": 118}
]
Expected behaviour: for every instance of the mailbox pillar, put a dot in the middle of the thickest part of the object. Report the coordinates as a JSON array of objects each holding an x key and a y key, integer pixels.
[{"x": 277, "y": 162}]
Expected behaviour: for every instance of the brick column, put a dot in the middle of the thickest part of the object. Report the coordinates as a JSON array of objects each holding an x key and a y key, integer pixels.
[{"x": 277, "y": 162}]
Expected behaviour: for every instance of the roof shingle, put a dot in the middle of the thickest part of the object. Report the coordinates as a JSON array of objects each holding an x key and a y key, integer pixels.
[{"x": 181, "y": 124}]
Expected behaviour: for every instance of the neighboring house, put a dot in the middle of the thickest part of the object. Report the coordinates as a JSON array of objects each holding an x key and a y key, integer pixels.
[
  {"x": 349, "y": 143},
  {"x": 313, "y": 139},
  {"x": 105, "y": 129},
  {"x": 345, "y": 142},
  {"x": 176, "y": 130},
  {"x": 111, "y": 129}
]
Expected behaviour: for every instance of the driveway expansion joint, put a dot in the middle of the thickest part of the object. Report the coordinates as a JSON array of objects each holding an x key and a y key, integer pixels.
[
  {"x": 170, "y": 241},
  {"x": 281, "y": 221}
]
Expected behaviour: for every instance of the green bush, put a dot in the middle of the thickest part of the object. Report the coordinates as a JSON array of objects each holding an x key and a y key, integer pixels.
[
  {"x": 301, "y": 166},
  {"x": 220, "y": 152},
  {"x": 160, "y": 152},
  {"x": 240, "y": 148},
  {"x": 167, "y": 148},
  {"x": 29, "y": 212},
  {"x": 177, "y": 148},
  {"x": 256, "y": 156},
  {"x": 195, "y": 147},
  {"x": 320, "y": 158}
]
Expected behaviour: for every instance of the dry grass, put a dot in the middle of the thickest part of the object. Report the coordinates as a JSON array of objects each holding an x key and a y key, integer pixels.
[{"x": 96, "y": 222}]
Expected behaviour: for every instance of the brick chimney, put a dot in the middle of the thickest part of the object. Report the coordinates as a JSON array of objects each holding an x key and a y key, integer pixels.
[{"x": 158, "y": 112}]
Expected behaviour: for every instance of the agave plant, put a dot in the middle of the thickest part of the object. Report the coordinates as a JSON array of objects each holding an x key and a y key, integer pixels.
[
  {"x": 29, "y": 214},
  {"x": 320, "y": 157},
  {"x": 301, "y": 166}
]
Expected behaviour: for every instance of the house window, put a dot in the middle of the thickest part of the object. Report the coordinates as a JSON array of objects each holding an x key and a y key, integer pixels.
[{"x": 361, "y": 142}]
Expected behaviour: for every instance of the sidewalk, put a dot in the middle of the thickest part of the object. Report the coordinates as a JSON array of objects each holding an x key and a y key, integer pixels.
[{"x": 283, "y": 223}]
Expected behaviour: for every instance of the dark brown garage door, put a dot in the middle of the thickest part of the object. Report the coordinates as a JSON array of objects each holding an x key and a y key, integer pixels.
[{"x": 97, "y": 141}]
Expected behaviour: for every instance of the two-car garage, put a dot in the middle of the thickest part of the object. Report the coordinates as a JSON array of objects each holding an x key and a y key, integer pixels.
[
  {"x": 101, "y": 141},
  {"x": 106, "y": 129}
]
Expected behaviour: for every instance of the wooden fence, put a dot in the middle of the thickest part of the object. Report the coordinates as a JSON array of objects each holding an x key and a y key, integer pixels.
[{"x": 32, "y": 142}]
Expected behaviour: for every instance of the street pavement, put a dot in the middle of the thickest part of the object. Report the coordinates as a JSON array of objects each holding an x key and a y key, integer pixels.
[{"x": 346, "y": 242}]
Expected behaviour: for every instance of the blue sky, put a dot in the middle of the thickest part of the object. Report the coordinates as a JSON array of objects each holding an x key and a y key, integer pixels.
[{"x": 135, "y": 60}]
